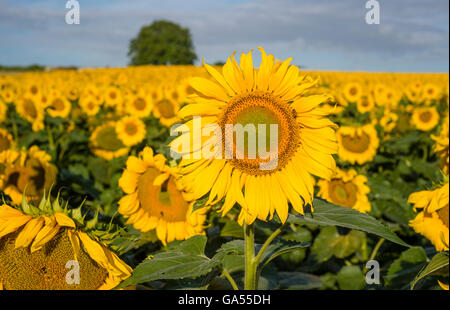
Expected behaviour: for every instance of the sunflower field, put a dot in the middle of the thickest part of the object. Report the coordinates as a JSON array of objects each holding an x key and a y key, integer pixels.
[{"x": 93, "y": 198}]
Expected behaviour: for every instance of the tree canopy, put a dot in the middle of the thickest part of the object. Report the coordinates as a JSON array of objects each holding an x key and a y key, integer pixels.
[{"x": 162, "y": 43}]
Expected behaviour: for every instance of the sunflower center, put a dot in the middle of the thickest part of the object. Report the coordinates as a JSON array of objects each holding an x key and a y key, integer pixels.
[
  {"x": 34, "y": 90},
  {"x": 425, "y": 116},
  {"x": 353, "y": 91},
  {"x": 30, "y": 108},
  {"x": 58, "y": 104},
  {"x": 5, "y": 143},
  {"x": 262, "y": 122},
  {"x": 165, "y": 107},
  {"x": 140, "y": 104},
  {"x": 164, "y": 201},
  {"x": 46, "y": 269},
  {"x": 444, "y": 215},
  {"x": 131, "y": 129},
  {"x": 343, "y": 193},
  {"x": 112, "y": 95},
  {"x": 107, "y": 139},
  {"x": 356, "y": 143}
]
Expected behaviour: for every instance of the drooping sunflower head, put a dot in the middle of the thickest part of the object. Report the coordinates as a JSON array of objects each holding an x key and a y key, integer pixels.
[
  {"x": 433, "y": 221},
  {"x": 28, "y": 173},
  {"x": 155, "y": 200},
  {"x": 130, "y": 130},
  {"x": 288, "y": 138},
  {"x": 106, "y": 143},
  {"x": 48, "y": 247},
  {"x": 347, "y": 189},
  {"x": 357, "y": 144},
  {"x": 425, "y": 118}
]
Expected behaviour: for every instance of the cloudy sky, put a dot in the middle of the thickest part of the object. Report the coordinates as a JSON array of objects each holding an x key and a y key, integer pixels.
[{"x": 413, "y": 35}]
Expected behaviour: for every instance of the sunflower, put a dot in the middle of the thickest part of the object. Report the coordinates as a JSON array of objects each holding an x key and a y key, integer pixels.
[
  {"x": 3, "y": 110},
  {"x": 130, "y": 130},
  {"x": 347, "y": 189},
  {"x": 37, "y": 243},
  {"x": 165, "y": 108},
  {"x": 8, "y": 94},
  {"x": 156, "y": 200},
  {"x": 365, "y": 103},
  {"x": 26, "y": 172},
  {"x": 6, "y": 140},
  {"x": 441, "y": 146},
  {"x": 106, "y": 143},
  {"x": 352, "y": 91},
  {"x": 270, "y": 95},
  {"x": 430, "y": 92},
  {"x": 424, "y": 118},
  {"x": 389, "y": 120},
  {"x": 357, "y": 144},
  {"x": 89, "y": 105},
  {"x": 32, "y": 111},
  {"x": 139, "y": 105},
  {"x": 59, "y": 106},
  {"x": 432, "y": 221},
  {"x": 113, "y": 96}
]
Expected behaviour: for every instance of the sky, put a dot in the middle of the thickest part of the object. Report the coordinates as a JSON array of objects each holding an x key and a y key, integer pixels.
[{"x": 413, "y": 35}]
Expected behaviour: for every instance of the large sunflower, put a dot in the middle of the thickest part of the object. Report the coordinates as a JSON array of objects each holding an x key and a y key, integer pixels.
[
  {"x": 357, "y": 144},
  {"x": 270, "y": 95},
  {"x": 28, "y": 172},
  {"x": 106, "y": 143},
  {"x": 432, "y": 221},
  {"x": 425, "y": 118},
  {"x": 38, "y": 246},
  {"x": 347, "y": 189},
  {"x": 441, "y": 146},
  {"x": 156, "y": 200}
]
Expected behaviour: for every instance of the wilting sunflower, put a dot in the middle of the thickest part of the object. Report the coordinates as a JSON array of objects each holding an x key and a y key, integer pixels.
[
  {"x": 29, "y": 108},
  {"x": 441, "y": 146},
  {"x": 6, "y": 140},
  {"x": 59, "y": 106},
  {"x": 165, "y": 108},
  {"x": 347, "y": 189},
  {"x": 28, "y": 172},
  {"x": 270, "y": 95},
  {"x": 424, "y": 118},
  {"x": 432, "y": 221},
  {"x": 357, "y": 144},
  {"x": 156, "y": 200},
  {"x": 106, "y": 143},
  {"x": 39, "y": 246},
  {"x": 130, "y": 130},
  {"x": 352, "y": 91}
]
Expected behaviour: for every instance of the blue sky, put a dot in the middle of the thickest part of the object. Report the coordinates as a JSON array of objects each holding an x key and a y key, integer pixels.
[{"x": 413, "y": 35}]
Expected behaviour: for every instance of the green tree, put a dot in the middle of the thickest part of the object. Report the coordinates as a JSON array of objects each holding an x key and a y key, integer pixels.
[{"x": 162, "y": 43}]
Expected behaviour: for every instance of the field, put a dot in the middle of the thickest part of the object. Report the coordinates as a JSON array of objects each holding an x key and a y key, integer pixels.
[{"x": 359, "y": 199}]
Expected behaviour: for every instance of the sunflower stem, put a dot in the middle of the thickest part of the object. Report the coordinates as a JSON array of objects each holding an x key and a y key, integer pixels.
[
  {"x": 230, "y": 279},
  {"x": 250, "y": 267}
]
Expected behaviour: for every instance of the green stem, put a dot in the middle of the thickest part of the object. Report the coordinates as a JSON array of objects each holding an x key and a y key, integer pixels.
[
  {"x": 51, "y": 141},
  {"x": 250, "y": 269},
  {"x": 376, "y": 248},
  {"x": 230, "y": 279}
]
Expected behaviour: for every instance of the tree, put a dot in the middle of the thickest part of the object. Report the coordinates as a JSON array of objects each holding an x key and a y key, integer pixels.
[{"x": 162, "y": 43}]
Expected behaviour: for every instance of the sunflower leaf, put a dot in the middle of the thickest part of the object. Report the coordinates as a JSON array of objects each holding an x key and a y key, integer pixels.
[
  {"x": 328, "y": 214},
  {"x": 185, "y": 261},
  {"x": 439, "y": 261}
]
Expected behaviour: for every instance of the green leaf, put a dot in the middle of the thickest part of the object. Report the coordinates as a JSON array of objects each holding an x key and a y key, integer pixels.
[
  {"x": 439, "y": 261},
  {"x": 279, "y": 248},
  {"x": 328, "y": 214},
  {"x": 351, "y": 278},
  {"x": 186, "y": 261},
  {"x": 298, "y": 281},
  {"x": 232, "y": 229},
  {"x": 406, "y": 266}
]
